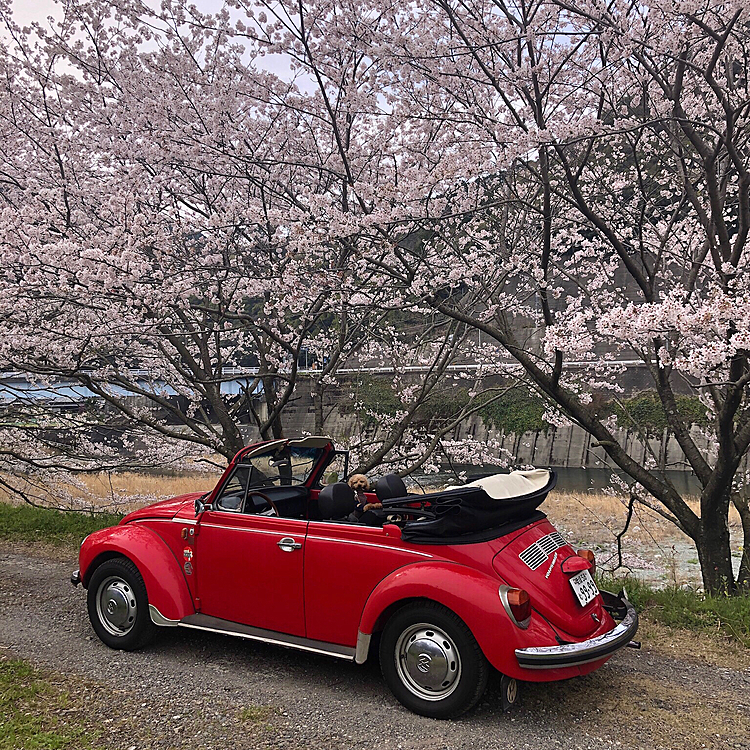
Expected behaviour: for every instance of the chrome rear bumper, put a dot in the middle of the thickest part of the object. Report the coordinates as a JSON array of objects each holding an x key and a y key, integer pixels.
[{"x": 572, "y": 654}]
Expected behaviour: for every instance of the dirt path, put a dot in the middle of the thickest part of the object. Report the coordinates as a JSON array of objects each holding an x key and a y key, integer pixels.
[{"x": 200, "y": 690}]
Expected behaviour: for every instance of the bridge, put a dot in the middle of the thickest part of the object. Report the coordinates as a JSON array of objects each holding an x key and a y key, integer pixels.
[{"x": 21, "y": 386}]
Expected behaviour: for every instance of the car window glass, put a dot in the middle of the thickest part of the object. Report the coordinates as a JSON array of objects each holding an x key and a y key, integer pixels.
[
  {"x": 335, "y": 471},
  {"x": 282, "y": 467},
  {"x": 233, "y": 493},
  {"x": 303, "y": 461}
]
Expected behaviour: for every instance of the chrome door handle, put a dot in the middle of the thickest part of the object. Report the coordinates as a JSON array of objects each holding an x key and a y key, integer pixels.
[{"x": 287, "y": 544}]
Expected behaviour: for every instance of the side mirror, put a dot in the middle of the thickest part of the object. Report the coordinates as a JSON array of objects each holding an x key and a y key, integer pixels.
[{"x": 200, "y": 506}]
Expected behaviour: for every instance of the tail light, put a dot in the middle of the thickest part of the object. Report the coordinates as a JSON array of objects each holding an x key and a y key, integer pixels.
[
  {"x": 587, "y": 554},
  {"x": 517, "y": 604}
]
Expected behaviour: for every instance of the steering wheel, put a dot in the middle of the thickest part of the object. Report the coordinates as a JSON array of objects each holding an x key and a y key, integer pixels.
[{"x": 265, "y": 497}]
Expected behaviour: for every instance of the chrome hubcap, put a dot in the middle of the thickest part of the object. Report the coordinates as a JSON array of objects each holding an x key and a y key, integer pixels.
[
  {"x": 115, "y": 605},
  {"x": 428, "y": 662}
]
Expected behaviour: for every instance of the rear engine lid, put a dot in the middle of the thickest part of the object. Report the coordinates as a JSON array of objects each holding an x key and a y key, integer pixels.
[{"x": 533, "y": 561}]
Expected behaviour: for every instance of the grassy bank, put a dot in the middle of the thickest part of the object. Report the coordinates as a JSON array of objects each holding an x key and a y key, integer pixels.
[
  {"x": 688, "y": 609},
  {"x": 24, "y": 523},
  {"x": 35, "y": 712}
]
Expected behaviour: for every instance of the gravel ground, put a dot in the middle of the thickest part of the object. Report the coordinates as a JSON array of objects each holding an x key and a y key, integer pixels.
[{"x": 199, "y": 690}]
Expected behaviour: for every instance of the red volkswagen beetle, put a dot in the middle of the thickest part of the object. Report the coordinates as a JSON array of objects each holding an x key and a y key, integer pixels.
[{"x": 454, "y": 582}]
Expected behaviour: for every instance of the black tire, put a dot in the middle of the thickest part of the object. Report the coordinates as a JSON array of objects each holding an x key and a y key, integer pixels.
[
  {"x": 431, "y": 661},
  {"x": 118, "y": 605}
]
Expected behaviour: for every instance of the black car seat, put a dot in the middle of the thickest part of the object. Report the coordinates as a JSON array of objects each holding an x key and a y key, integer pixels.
[
  {"x": 390, "y": 486},
  {"x": 336, "y": 502}
]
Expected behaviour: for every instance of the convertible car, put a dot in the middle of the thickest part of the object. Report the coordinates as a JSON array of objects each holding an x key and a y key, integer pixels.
[{"x": 444, "y": 585}]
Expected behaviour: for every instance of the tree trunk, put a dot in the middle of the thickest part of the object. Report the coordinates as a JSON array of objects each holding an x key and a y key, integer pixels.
[
  {"x": 743, "y": 508},
  {"x": 275, "y": 426},
  {"x": 715, "y": 556},
  {"x": 317, "y": 396},
  {"x": 231, "y": 435}
]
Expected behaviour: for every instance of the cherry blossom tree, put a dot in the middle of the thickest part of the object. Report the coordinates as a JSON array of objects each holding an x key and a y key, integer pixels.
[
  {"x": 160, "y": 246},
  {"x": 570, "y": 178},
  {"x": 602, "y": 216},
  {"x": 176, "y": 219},
  {"x": 122, "y": 262}
]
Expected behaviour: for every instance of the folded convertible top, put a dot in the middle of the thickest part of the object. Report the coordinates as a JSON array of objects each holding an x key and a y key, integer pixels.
[{"x": 484, "y": 509}]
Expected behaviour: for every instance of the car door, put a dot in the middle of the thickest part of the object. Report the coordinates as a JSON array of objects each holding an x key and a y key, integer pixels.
[
  {"x": 343, "y": 564},
  {"x": 248, "y": 567}
]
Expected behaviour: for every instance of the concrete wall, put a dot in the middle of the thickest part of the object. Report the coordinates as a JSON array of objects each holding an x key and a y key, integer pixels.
[{"x": 561, "y": 447}]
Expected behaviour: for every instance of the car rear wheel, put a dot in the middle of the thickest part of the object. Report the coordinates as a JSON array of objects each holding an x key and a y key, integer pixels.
[
  {"x": 431, "y": 661},
  {"x": 118, "y": 605}
]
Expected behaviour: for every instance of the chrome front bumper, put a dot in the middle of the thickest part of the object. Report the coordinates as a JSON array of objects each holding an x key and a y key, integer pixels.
[
  {"x": 573, "y": 654},
  {"x": 75, "y": 577}
]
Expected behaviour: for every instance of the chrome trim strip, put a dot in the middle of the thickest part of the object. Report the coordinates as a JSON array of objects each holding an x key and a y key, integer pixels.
[
  {"x": 368, "y": 544},
  {"x": 275, "y": 532},
  {"x": 226, "y": 627},
  {"x": 363, "y": 647},
  {"x": 156, "y": 519},
  {"x": 158, "y": 618},
  {"x": 573, "y": 654}
]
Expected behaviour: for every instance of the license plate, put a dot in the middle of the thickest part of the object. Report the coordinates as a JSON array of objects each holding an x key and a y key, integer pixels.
[{"x": 584, "y": 587}]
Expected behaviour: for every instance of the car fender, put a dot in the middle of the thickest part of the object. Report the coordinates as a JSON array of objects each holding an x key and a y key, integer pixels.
[
  {"x": 165, "y": 582},
  {"x": 472, "y": 595}
]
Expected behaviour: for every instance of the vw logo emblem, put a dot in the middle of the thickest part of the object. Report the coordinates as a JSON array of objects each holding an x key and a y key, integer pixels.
[{"x": 423, "y": 663}]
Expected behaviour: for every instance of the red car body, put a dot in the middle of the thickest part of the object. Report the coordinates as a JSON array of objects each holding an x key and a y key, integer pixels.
[{"x": 329, "y": 586}]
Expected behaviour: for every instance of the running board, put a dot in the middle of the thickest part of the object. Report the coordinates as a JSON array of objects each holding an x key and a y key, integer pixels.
[{"x": 226, "y": 627}]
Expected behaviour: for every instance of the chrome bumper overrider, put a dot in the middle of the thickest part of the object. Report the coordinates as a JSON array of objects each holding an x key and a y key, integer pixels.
[
  {"x": 572, "y": 654},
  {"x": 75, "y": 577}
]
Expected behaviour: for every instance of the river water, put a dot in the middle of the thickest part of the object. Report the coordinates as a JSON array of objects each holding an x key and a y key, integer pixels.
[{"x": 568, "y": 479}]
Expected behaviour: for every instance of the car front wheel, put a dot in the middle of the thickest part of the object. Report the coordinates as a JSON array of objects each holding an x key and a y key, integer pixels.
[
  {"x": 431, "y": 661},
  {"x": 118, "y": 605}
]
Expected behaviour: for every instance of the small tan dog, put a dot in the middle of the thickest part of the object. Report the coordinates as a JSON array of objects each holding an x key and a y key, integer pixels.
[{"x": 361, "y": 484}]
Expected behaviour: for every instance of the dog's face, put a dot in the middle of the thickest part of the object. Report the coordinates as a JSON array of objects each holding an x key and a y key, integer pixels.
[{"x": 359, "y": 482}]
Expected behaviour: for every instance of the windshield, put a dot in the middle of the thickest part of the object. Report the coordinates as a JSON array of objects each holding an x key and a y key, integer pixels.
[{"x": 282, "y": 466}]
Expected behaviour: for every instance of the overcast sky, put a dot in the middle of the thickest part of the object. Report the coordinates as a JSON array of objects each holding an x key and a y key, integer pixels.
[{"x": 26, "y": 11}]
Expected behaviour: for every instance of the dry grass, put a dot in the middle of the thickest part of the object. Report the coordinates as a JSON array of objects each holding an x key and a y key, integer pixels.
[
  {"x": 701, "y": 647},
  {"x": 645, "y": 707},
  {"x": 654, "y": 549},
  {"x": 144, "y": 488},
  {"x": 601, "y": 517},
  {"x": 122, "y": 492}
]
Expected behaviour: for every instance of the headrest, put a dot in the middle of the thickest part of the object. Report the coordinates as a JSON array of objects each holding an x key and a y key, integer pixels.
[
  {"x": 390, "y": 486},
  {"x": 336, "y": 501}
]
